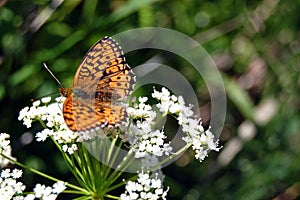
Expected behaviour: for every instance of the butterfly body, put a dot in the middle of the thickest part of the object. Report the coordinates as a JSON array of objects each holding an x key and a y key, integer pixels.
[{"x": 100, "y": 86}]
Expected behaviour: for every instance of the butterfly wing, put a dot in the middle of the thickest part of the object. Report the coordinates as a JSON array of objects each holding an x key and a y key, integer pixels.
[
  {"x": 103, "y": 69},
  {"x": 118, "y": 82},
  {"x": 81, "y": 116},
  {"x": 101, "y": 56},
  {"x": 102, "y": 79}
]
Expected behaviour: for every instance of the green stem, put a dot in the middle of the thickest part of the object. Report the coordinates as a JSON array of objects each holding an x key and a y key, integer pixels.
[
  {"x": 71, "y": 164},
  {"x": 119, "y": 171},
  {"x": 161, "y": 117},
  {"x": 83, "y": 198},
  {"x": 112, "y": 160},
  {"x": 111, "y": 196},
  {"x": 88, "y": 168}
]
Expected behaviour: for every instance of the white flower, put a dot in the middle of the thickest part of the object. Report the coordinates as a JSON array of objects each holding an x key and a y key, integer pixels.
[
  {"x": 29, "y": 197},
  {"x": 141, "y": 110},
  {"x": 16, "y": 173},
  {"x": 27, "y": 122},
  {"x": 19, "y": 187},
  {"x": 42, "y": 136},
  {"x": 5, "y": 173},
  {"x": 47, "y": 192},
  {"x": 51, "y": 115},
  {"x": 143, "y": 99},
  {"x": 9, "y": 186},
  {"x": 70, "y": 149},
  {"x": 46, "y": 100},
  {"x": 59, "y": 187},
  {"x": 147, "y": 142},
  {"x": 156, "y": 183},
  {"x": 5, "y": 149},
  {"x": 144, "y": 187},
  {"x": 156, "y": 94},
  {"x": 39, "y": 190},
  {"x": 165, "y": 94},
  {"x": 36, "y": 103},
  {"x": 23, "y": 113},
  {"x": 202, "y": 141},
  {"x": 4, "y": 141},
  {"x": 65, "y": 148},
  {"x": 18, "y": 198}
]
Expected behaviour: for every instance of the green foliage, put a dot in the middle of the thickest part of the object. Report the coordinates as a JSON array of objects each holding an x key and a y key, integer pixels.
[{"x": 255, "y": 45}]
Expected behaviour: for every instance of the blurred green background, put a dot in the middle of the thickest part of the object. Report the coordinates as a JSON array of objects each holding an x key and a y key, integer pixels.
[{"x": 255, "y": 45}]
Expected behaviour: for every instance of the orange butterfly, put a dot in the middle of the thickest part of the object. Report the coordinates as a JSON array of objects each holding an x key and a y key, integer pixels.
[{"x": 100, "y": 87}]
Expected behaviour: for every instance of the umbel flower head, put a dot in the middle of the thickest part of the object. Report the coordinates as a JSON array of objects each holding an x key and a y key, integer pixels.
[
  {"x": 9, "y": 186},
  {"x": 50, "y": 115},
  {"x": 145, "y": 140},
  {"x": 141, "y": 135},
  {"x": 145, "y": 187}
]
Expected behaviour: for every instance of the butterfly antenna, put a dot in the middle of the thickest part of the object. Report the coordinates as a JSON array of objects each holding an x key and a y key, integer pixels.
[{"x": 52, "y": 74}]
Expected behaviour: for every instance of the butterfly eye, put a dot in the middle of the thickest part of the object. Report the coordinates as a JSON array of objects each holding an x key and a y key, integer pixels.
[{"x": 63, "y": 92}]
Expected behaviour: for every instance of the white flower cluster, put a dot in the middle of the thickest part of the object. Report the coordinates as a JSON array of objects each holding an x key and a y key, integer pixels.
[
  {"x": 145, "y": 141},
  {"x": 38, "y": 111},
  {"x": 145, "y": 187},
  {"x": 5, "y": 149},
  {"x": 47, "y": 192},
  {"x": 149, "y": 143},
  {"x": 51, "y": 115},
  {"x": 202, "y": 141},
  {"x": 171, "y": 104},
  {"x": 9, "y": 187}
]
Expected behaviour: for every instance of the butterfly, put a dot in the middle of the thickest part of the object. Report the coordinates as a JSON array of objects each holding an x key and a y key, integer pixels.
[{"x": 101, "y": 84}]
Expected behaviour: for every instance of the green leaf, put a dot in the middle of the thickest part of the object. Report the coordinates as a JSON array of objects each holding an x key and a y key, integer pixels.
[
  {"x": 22, "y": 75},
  {"x": 129, "y": 8},
  {"x": 239, "y": 97}
]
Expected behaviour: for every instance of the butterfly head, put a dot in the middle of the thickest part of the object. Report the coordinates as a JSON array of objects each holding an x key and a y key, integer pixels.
[{"x": 65, "y": 92}]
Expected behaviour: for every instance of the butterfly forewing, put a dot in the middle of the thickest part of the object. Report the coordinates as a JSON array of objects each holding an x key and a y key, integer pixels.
[{"x": 102, "y": 55}]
